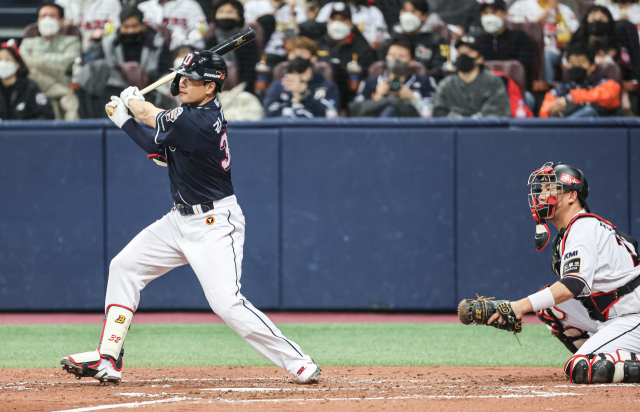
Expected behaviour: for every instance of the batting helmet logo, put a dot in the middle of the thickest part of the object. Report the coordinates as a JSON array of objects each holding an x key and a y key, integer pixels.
[{"x": 210, "y": 220}]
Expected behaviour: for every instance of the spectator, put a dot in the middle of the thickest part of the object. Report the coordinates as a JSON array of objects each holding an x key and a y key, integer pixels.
[
  {"x": 342, "y": 45},
  {"x": 416, "y": 22},
  {"x": 228, "y": 16},
  {"x": 558, "y": 24},
  {"x": 181, "y": 16},
  {"x": 312, "y": 28},
  {"x": 20, "y": 98},
  {"x": 95, "y": 18},
  {"x": 366, "y": 17},
  {"x": 49, "y": 58},
  {"x": 626, "y": 10},
  {"x": 280, "y": 20},
  {"x": 472, "y": 91},
  {"x": 585, "y": 94},
  {"x": 497, "y": 42},
  {"x": 302, "y": 92},
  {"x": 463, "y": 14},
  {"x": 598, "y": 31},
  {"x": 397, "y": 92}
]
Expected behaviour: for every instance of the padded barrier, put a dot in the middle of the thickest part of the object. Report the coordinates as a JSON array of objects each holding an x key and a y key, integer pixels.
[{"x": 348, "y": 214}]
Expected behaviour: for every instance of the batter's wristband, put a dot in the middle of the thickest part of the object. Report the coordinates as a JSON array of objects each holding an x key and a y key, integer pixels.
[{"x": 542, "y": 300}]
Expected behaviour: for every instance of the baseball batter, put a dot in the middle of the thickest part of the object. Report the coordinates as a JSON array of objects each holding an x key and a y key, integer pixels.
[
  {"x": 594, "y": 309},
  {"x": 205, "y": 229}
]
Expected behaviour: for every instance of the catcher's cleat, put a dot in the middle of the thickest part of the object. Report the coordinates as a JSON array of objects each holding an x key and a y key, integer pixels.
[
  {"x": 90, "y": 365},
  {"x": 308, "y": 373}
]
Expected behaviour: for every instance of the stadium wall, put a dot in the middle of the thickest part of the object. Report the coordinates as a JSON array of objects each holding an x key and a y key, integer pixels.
[{"x": 349, "y": 214}]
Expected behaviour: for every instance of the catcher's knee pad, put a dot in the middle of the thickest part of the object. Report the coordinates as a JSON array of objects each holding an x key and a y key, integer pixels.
[
  {"x": 572, "y": 338},
  {"x": 116, "y": 324},
  {"x": 620, "y": 366}
]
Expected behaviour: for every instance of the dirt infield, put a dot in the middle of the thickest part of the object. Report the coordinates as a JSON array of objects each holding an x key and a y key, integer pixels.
[{"x": 340, "y": 389}]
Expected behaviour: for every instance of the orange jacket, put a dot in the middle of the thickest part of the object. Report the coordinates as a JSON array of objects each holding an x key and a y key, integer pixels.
[{"x": 605, "y": 92}]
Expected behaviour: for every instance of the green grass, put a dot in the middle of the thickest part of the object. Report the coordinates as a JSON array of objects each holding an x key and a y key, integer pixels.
[{"x": 330, "y": 344}]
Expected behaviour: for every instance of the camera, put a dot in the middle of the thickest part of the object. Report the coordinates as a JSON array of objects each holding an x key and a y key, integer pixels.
[{"x": 395, "y": 85}]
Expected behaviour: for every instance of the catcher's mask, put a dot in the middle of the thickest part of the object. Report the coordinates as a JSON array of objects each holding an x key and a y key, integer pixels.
[{"x": 547, "y": 186}]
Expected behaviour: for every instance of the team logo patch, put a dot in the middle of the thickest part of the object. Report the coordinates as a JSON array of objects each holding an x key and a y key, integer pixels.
[
  {"x": 570, "y": 254},
  {"x": 121, "y": 319},
  {"x": 172, "y": 115},
  {"x": 216, "y": 75},
  {"x": 211, "y": 220},
  {"x": 504, "y": 308},
  {"x": 569, "y": 179},
  {"x": 571, "y": 266},
  {"x": 41, "y": 99}
]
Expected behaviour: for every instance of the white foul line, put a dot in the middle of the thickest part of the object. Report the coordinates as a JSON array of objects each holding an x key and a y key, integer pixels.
[{"x": 124, "y": 405}]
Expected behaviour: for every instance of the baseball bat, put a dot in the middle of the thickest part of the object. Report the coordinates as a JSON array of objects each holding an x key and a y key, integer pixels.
[{"x": 232, "y": 43}]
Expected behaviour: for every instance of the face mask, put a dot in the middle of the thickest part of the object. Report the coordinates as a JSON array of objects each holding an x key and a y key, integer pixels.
[
  {"x": 338, "y": 30},
  {"x": 577, "y": 74},
  {"x": 397, "y": 67},
  {"x": 465, "y": 63},
  {"x": 130, "y": 38},
  {"x": 409, "y": 22},
  {"x": 7, "y": 69},
  {"x": 227, "y": 24},
  {"x": 597, "y": 28},
  {"x": 299, "y": 65},
  {"x": 491, "y": 23},
  {"x": 48, "y": 26}
]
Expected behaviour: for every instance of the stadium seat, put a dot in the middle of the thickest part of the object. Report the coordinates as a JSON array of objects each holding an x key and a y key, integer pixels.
[
  {"x": 134, "y": 74},
  {"x": 378, "y": 68},
  {"x": 68, "y": 29},
  {"x": 232, "y": 76},
  {"x": 534, "y": 31},
  {"x": 322, "y": 67},
  {"x": 260, "y": 41},
  {"x": 511, "y": 68},
  {"x": 582, "y": 6},
  {"x": 442, "y": 30}
]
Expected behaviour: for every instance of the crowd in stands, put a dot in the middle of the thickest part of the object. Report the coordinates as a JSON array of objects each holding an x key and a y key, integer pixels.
[{"x": 320, "y": 58}]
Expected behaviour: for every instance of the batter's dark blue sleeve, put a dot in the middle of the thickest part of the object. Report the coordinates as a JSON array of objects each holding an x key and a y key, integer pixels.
[
  {"x": 141, "y": 134},
  {"x": 180, "y": 127}
]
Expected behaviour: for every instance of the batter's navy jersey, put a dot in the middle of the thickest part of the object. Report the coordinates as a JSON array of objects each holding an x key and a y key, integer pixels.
[{"x": 195, "y": 143}]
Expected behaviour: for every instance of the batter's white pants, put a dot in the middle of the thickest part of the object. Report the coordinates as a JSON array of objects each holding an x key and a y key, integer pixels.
[
  {"x": 215, "y": 254},
  {"x": 618, "y": 333}
]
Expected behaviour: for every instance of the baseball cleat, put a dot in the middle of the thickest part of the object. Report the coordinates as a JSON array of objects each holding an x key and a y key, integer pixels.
[
  {"x": 308, "y": 373},
  {"x": 90, "y": 365}
]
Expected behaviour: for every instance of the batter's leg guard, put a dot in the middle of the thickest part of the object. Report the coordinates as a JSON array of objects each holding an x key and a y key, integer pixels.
[
  {"x": 572, "y": 338},
  {"x": 620, "y": 366},
  {"x": 105, "y": 363}
]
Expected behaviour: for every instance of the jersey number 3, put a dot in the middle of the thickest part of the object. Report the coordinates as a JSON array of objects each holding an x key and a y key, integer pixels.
[{"x": 224, "y": 145}]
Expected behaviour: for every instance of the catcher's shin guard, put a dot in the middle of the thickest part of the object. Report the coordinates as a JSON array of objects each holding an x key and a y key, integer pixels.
[
  {"x": 116, "y": 324},
  {"x": 620, "y": 366},
  {"x": 572, "y": 338}
]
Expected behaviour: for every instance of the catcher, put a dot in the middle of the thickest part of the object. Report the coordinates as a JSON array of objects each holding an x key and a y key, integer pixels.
[{"x": 594, "y": 309}]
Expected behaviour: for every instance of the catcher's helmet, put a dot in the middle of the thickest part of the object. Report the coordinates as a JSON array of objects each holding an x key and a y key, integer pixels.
[
  {"x": 560, "y": 177},
  {"x": 203, "y": 65}
]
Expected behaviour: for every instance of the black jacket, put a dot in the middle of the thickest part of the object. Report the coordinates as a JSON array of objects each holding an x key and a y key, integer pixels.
[
  {"x": 431, "y": 50},
  {"x": 339, "y": 55},
  {"x": 509, "y": 45},
  {"x": 25, "y": 102}
]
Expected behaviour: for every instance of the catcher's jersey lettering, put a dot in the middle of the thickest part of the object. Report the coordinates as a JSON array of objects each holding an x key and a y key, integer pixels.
[
  {"x": 571, "y": 266},
  {"x": 570, "y": 254}
]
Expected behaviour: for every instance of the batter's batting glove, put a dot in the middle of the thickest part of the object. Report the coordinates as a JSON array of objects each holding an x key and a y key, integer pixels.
[
  {"x": 121, "y": 114},
  {"x": 129, "y": 93}
]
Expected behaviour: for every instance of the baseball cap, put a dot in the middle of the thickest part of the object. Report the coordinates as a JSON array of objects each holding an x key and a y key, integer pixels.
[
  {"x": 341, "y": 8},
  {"x": 498, "y": 4},
  {"x": 468, "y": 41}
]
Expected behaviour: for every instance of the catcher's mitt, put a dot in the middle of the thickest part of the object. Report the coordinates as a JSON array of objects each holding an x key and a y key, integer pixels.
[{"x": 480, "y": 311}]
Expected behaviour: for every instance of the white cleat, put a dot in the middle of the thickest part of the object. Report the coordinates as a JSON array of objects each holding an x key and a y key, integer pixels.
[
  {"x": 308, "y": 373},
  {"x": 90, "y": 365}
]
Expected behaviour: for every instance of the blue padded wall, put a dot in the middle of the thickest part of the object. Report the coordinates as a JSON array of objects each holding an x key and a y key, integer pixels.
[
  {"x": 496, "y": 254},
  {"x": 51, "y": 231},
  {"x": 634, "y": 182},
  {"x": 367, "y": 218}
]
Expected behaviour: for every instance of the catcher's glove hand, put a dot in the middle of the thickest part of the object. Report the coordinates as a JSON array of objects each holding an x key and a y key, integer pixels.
[{"x": 480, "y": 311}]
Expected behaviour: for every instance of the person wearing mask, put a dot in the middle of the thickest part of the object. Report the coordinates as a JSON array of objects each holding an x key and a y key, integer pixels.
[
  {"x": 280, "y": 20},
  {"x": 302, "y": 92},
  {"x": 397, "y": 92},
  {"x": 497, "y": 42},
  {"x": 348, "y": 52},
  {"x": 49, "y": 57},
  {"x": 472, "y": 91},
  {"x": 96, "y": 18},
  {"x": 228, "y": 17},
  {"x": 312, "y": 28},
  {"x": 584, "y": 94},
  {"x": 20, "y": 97},
  {"x": 365, "y": 16},
  {"x": 558, "y": 24},
  {"x": 416, "y": 22}
]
